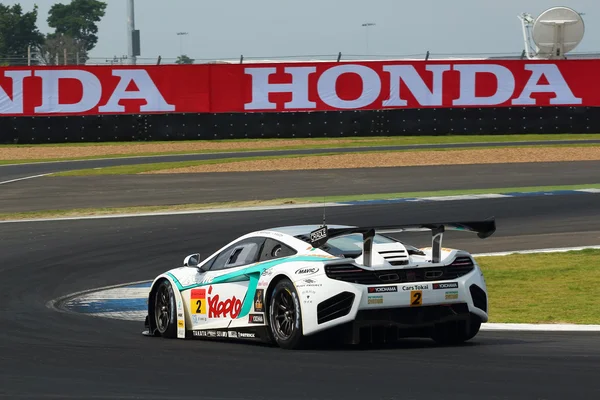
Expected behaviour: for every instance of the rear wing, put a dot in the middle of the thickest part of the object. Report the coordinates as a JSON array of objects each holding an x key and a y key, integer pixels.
[{"x": 484, "y": 229}]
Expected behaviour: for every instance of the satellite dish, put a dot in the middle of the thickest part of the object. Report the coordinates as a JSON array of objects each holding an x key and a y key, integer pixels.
[{"x": 557, "y": 31}]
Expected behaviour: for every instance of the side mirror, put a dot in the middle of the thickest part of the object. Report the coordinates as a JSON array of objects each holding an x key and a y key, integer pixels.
[{"x": 192, "y": 260}]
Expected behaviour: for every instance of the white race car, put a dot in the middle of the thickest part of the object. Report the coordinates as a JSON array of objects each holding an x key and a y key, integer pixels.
[{"x": 291, "y": 284}]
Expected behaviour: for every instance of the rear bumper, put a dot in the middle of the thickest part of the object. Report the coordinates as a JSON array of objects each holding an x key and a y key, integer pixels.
[{"x": 463, "y": 298}]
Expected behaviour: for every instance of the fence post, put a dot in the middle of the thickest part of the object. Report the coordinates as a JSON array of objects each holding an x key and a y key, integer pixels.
[
  {"x": 242, "y": 59},
  {"x": 427, "y": 56},
  {"x": 339, "y": 56},
  {"x": 159, "y": 60}
]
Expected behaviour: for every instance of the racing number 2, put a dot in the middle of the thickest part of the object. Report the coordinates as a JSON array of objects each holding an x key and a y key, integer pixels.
[
  {"x": 200, "y": 307},
  {"x": 416, "y": 298}
]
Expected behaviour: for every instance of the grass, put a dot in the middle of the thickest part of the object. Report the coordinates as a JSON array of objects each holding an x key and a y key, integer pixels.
[
  {"x": 283, "y": 201},
  {"x": 150, "y": 167},
  {"x": 326, "y": 143},
  {"x": 544, "y": 288},
  {"x": 361, "y": 140}
]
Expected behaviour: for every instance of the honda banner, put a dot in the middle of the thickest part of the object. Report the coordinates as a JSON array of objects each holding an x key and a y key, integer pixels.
[{"x": 284, "y": 87}]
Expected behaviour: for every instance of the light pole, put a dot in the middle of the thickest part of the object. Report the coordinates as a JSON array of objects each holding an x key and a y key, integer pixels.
[
  {"x": 181, "y": 35},
  {"x": 130, "y": 30},
  {"x": 367, "y": 25}
]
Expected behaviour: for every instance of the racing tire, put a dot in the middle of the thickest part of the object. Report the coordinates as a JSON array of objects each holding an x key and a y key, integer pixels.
[
  {"x": 285, "y": 316},
  {"x": 454, "y": 333},
  {"x": 165, "y": 311}
]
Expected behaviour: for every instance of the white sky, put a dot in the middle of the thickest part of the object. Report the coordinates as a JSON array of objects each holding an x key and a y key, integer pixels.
[{"x": 271, "y": 28}]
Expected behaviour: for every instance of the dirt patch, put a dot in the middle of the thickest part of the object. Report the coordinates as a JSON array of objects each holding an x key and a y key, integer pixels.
[
  {"x": 58, "y": 152},
  {"x": 398, "y": 159}
]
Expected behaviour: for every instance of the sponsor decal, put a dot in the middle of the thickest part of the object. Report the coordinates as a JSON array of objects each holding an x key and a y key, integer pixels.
[
  {"x": 383, "y": 289},
  {"x": 207, "y": 279},
  {"x": 453, "y": 295},
  {"x": 416, "y": 298},
  {"x": 232, "y": 334},
  {"x": 179, "y": 315},
  {"x": 248, "y": 335},
  {"x": 307, "y": 271},
  {"x": 415, "y": 287},
  {"x": 196, "y": 319},
  {"x": 263, "y": 283},
  {"x": 308, "y": 283},
  {"x": 227, "y": 308},
  {"x": 222, "y": 334},
  {"x": 198, "y": 301},
  {"x": 256, "y": 319},
  {"x": 267, "y": 272},
  {"x": 449, "y": 285},
  {"x": 258, "y": 300},
  {"x": 211, "y": 333},
  {"x": 375, "y": 300},
  {"x": 199, "y": 333},
  {"x": 180, "y": 323}
]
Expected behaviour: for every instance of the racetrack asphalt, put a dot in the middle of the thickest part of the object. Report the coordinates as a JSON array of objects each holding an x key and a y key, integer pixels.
[
  {"x": 51, "y": 193},
  {"x": 47, "y": 354},
  {"x": 11, "y": 172}
]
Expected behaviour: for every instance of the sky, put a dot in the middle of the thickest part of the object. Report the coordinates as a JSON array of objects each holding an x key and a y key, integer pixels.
[{"x": 273, "y": 28}]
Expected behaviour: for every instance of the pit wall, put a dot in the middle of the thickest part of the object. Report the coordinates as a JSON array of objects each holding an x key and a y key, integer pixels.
[{"x": 286, "y": 100}]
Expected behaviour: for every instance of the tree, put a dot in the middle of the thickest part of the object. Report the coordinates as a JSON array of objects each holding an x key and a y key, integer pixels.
[
  {"x": 53, "y": 49},
  {"x": 78, "y": 20},
  {"x": 183, "y": 59},
  {"x": 18, "y": 30}
]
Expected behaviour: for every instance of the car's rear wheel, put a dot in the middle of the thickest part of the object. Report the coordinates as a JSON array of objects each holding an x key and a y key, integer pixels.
[
  {"x": 285, "y": 316},
  {"x": 453, "y": 333},
  {"x": 164, "y": 310}
]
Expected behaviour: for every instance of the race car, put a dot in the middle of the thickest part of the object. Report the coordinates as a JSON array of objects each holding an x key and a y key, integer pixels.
[{"x": 293, "y": 285}]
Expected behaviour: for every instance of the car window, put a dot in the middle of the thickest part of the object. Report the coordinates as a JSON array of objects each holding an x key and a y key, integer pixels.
[
  {"x": 274, "y": 249},
  {"x": 238, "y": 254}
]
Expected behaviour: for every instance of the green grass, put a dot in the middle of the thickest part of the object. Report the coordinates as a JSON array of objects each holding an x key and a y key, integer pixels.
[
  {"x": 326, "y": 143},
  {"x": 283, "y": 201},
  {"x": 544, "y": 288},
  {"x": 150, "y": 167},
  {"x": 379, "y": 140}
]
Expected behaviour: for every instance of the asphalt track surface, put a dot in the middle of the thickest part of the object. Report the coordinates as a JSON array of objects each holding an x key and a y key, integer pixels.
[
  {"x": 11, "y": 172},
  {"x": 50, "y": 193},
  {"x": 48, "y": 354}
]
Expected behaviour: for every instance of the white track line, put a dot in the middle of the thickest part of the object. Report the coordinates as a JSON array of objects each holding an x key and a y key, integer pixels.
[{"x": 24, "y": 179}]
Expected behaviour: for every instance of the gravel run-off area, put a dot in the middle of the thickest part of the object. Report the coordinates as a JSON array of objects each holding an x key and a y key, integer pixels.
[
  {"x": 403, "y": 158},
  {"x": 58, "y": 152}
]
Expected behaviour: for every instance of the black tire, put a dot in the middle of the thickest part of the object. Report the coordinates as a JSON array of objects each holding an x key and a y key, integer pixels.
[
  {"x": 165, "y": 311},
  {"x": 454, "y": 333},
  {"x": 285, "y": 316}
]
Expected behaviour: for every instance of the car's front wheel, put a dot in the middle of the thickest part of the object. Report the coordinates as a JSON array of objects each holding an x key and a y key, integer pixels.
[
  {"x": 285, "y": 316},
  {"x": 164, "y": 310}
]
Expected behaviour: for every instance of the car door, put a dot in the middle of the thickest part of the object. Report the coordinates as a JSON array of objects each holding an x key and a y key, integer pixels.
[{"x": 218, "y": 300}]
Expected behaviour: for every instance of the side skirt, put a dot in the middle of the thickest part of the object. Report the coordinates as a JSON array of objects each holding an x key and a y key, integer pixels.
[{"x": 258, "y": 334}]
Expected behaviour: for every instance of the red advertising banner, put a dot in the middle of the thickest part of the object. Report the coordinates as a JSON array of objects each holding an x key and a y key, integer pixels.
[{"x": 284, "y": 87}]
